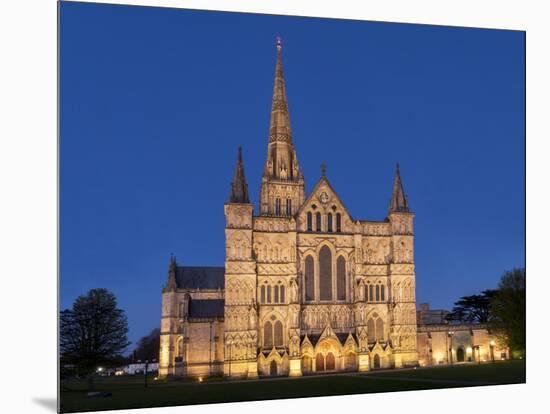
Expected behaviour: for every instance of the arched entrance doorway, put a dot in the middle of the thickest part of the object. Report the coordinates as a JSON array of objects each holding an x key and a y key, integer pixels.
[
  {"x": 319, "y": 362},
  {"x": 273, "y": 368},
  {"x": 330, "y": 362},
  {"x": 376, "y": 361},
  {"x": 460, "y": 354},
  {"x": 350, "y": 361},
  {"x": 306, "y": 364}
]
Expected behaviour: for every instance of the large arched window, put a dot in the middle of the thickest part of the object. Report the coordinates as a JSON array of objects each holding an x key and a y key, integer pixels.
[
  {"x": 309, "y": 276},
  {"x": 371, "y": 334},
  {"x": 318, "y": 221},
  {"x": 341, "y": 278},
  {"x": 309, "y": 221},
  {"x": 379, "y": 329},
  {"x": 329, "y": 222},
  {"x": 268, "y": 335},
  {"x": 325, "y": 273},
  {"x": 278, "y": 333}
]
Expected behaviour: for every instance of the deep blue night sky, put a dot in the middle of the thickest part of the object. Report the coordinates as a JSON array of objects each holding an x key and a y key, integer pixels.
[{"x": 155, "y": 102}]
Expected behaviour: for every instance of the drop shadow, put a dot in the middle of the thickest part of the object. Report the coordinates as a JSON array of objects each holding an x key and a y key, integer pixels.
[{"x": 49, "y": 403}]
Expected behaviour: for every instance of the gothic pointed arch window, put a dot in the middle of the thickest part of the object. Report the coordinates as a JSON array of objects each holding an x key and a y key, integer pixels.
[
  {"x": 309, "y": 221},
  {"x": 377, "y": 293},
  {"x": 379, "y": 329},
  {"x": 309, "y": 278},
  {"x": 338, "y": 222},
  {"x": 268, "y": 294},
  {"x": 277, "y": 206},
  {"x": 329, "y": 222},
  {"x": 325, "y": 273},
  {"x": 276, "y": 294},
  {"x": 318, "y": 221},
  {"x": 371, "y": 293},
  {"x": 278, "y": 333},
  {"x": 341, "y": 278},
  {"x": 371, "y": 333},
  {"x": 262, "y": 294},
  {"x": 288, "y": 207},
  {"x": 282, "y": 293},
  {"x": 382, "y": 293},
  {"x": 268, "y": 335}
]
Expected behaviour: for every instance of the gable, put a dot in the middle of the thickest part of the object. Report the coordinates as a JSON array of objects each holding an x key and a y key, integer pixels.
[{"x": 325, "y": 203}]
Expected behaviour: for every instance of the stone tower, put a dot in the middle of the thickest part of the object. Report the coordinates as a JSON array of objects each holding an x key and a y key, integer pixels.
[
  {"x": 240, "y": 311},
  {"x": 402, "y": 277},
  {"x": 282, "y": 190}
]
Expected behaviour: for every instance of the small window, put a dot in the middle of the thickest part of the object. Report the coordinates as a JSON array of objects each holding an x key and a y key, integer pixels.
[
  {"x": 382, "y": 293},
  {"x": 329, "y": 222},
  {"x": 262, "y": 294},
  {"x": 276, "y": 294},
  {"x": 309, "y": 221},
  {"x": 378, "y": 293},
  {"x": 338, "y": 222},
  {"x": 288, "y": 207},
  {"x": 277, "y": 206},
  {"x": 282, "y": 293},
  {"x": 318, "y": 221},
  {"x": 371, "y": 294},
  {"x": 269, "y": 294}
]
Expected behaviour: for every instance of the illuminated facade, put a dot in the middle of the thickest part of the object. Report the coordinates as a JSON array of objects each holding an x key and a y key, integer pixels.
[{"x": 305, "y": 288}]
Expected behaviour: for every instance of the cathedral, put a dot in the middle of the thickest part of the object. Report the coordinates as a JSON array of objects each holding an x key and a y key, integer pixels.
[{"x": 306, "y": 287}]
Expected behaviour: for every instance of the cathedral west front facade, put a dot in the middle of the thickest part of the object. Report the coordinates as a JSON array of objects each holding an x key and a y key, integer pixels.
[{"x": 306, "y": 287}]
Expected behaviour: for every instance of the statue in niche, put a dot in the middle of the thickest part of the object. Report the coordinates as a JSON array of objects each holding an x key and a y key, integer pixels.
[
  {"x": 294, "y": 290},
  {"x": 252, "y": 316}
]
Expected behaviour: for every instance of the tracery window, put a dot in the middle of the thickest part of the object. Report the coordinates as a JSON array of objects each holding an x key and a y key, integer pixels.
[
  {"x": 278, "y": 333},
  {"x": 309, "y": 278},
  {"x": 341, "y": 278},
  {"x": 268, "y": 335},
  {"x": 325, "y": 273}
]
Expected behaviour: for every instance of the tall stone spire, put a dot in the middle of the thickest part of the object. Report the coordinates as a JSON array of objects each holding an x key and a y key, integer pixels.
[
  {"x": 398, "y": 202},
  {"x": 279, "y": 127},
  {"x": 282, "y": 191},
  {"x": 281, "y": 158},
  {"x": 239, "y": 188}
]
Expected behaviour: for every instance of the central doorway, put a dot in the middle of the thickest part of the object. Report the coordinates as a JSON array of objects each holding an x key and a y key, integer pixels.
[
  {"x": 273, "y": 368},
  {"x": 330, "y": 363}
]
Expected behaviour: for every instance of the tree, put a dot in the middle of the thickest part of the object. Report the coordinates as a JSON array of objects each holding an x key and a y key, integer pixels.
[
  {"x": 148, "y": 346},
  {"x": 472, "y": 309},
  {"x": 92, "y": 333},
  {"x": 508, "y": 310}
]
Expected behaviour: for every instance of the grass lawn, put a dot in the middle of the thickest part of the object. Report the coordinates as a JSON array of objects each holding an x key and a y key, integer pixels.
[{"x": 129, "y": 392}]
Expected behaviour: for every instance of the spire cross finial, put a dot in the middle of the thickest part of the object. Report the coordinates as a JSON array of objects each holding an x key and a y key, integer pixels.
[
  {"x": 278, "y": 43},
  {"x": 323, "y": 169}
]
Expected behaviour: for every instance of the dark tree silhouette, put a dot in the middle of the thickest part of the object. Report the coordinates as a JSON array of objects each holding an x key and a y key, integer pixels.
[
  {"x": 472, "y": 309},
  {"x": 148, "y": 346},
  {"x": 93, "y": 332},
  {"x": 508, "y": 310}
]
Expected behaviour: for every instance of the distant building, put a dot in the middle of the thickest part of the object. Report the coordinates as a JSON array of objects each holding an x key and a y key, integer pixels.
[
  {"x": 427, "y": 316},
  {"x": 139, "y": 368}
]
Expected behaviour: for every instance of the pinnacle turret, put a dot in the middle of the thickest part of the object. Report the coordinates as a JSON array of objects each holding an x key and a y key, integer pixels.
[
  {"x": 239, "y": 188},
  {"x": 398, "y": 202}
]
